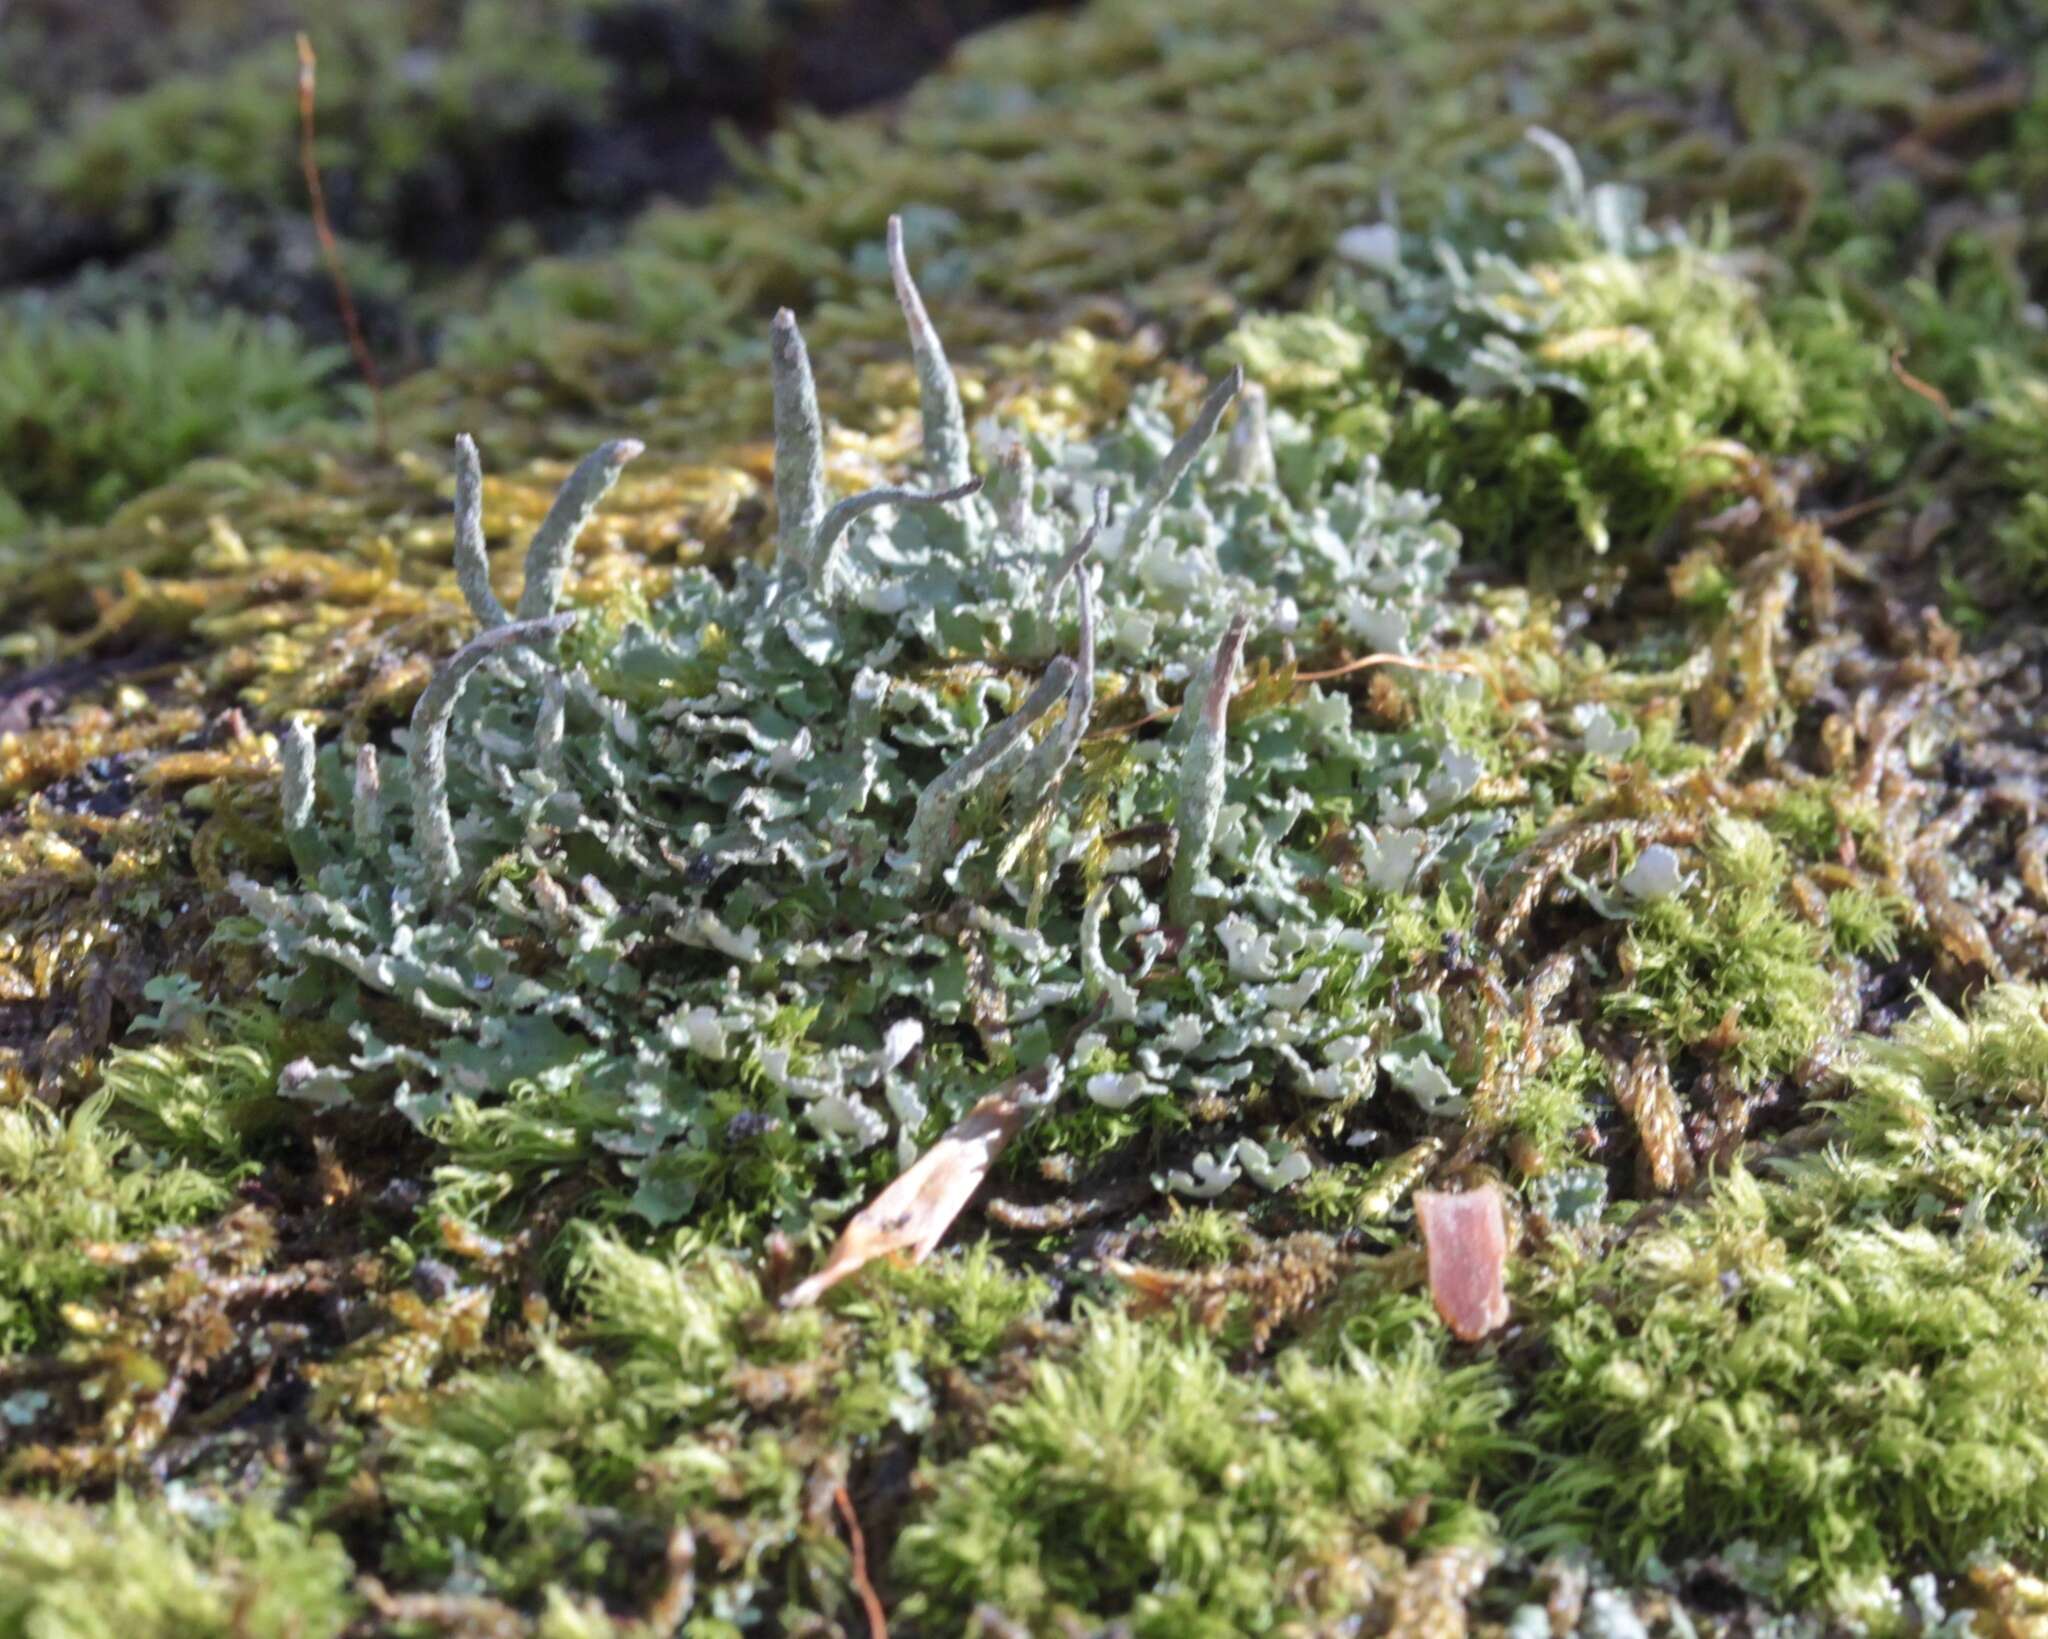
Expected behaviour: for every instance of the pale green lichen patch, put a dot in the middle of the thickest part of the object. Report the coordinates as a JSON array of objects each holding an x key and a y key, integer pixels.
[{"x": 798, "y": 861}]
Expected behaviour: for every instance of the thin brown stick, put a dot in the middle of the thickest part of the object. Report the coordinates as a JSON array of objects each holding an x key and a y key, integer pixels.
[
  {"x": 1413, "y": 664},
  {"x": 878, "y": 1620},
  {"x": 330, "y": 248},
  {"x": 1913, "y": 384},
  {"x": 1168, "y": 713},
  {"x": 1859, "y": 509}
]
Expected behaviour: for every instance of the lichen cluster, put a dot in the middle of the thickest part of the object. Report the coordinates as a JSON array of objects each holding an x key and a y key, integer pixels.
[{"x": 796, "y": 860}]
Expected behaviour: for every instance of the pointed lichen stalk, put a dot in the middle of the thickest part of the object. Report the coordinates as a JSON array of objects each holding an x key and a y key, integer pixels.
[
  {"x": 554, "y": 543},
  {"x": 1248, "y": 457},
  {"x": 1201, "y": 775},
  {"x": 993, "y": 758},
  {"x": 946, "y": 449},
  {"x": 367, "y": 815},
  {"x": 1182, "y": 456},
  {"x": 1015, "y": 475},
  {"x": 472, "y": 557},
  {"x": 297, "y": 759},
  {"x": 1078, "y": 551},
  {"x": 1047, "y": 766},
  {"x": 434, "y": 830},
  {"x": 799, "y": 446}
]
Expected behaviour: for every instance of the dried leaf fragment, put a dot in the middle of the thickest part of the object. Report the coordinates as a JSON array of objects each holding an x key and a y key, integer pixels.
[
  {"x": 913, "y": 1214},
  {"x": 1465, "y": 1236}
]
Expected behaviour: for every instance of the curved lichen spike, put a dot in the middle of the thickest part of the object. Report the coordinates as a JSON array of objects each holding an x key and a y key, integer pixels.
[
  {"x": 297, "y": 759},
  {"x": 931, "y": 828},
  {"x": 368, "y": 811},
  {"x": 433, "y": 829},
  {"x": 799, "y": 446},
  {"x": 472, "y": 557},
  {"x": 1016, "y": 473},
  {"x": 824, "y": 546},
  {"x": 1201, "y": 775},
  {"x": 946, "y": 449},
  {"x": 1078, "y": 551},
  {"x": 554, "y": 543},
  {"x": 1570, "y": 176},
  {"x": 1040, "y": 781},
  {"x": 1182, "y": 456},
  {"x": 550, "y": 724},
  {"x": 1248, "y": 457}
]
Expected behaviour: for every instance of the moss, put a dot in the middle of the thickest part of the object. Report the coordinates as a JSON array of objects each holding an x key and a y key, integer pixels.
[
  {"x": 1830, "y": 1359},
  {"x": 71, "y": 1185},
  {"x": 1553, "y": 1108},
  {"x": 398, "y": 87},
  {"x": 1851, "y": 1393},
  {"x": 1946, "y": 1120},
  {"x": 1204, "y": 1236},
  {"x": 973, "y": 1300},
  {"x": 571, "y": 1472},
  {"x": 210, "y": 1097},
  {"x": 1564, "y": 387},
  {"x": 1729, "y": 958},
  {"x": 2011, "y": 436},
  {"x": 1140, "y": 1479},
  {"x": 92, "y": 412},
  {"x": 135, "y": 1570}
]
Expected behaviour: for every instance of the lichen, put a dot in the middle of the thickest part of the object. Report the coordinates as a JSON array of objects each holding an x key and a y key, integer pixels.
[{"x": 790, "y": 821}]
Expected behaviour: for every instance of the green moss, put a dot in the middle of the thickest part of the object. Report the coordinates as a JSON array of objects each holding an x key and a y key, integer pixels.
[
  {"x": 1728, "y": 948},
  {"x": 398, "y": 87},
  {"x": 971, "y": 1298},
  {"x": 1203, "y": 1236},
  {"x": 210, "y": 1099},
  {"x": 1949, "y": 1119},
  {"x": 1553, "y": 1106},
  {"x": 664, "y": 1407},
  {"x": 1570, "y": 386},
  {"x": 91, "y": 412},
  {"x": 1859, "y": 1395},
  {"x": 135, "y": 1570},
  {"x": 1141, "y": 1479},
  {"x": 1835, "y": 1360},
  {"x": 67, "y": 1185},
  {"x": 1865, "y": 922},
  {"x": 2011, "y": 437}
]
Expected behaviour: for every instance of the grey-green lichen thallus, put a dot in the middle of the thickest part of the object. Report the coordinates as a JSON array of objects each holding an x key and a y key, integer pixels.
[{"x": 701, "y": 865}]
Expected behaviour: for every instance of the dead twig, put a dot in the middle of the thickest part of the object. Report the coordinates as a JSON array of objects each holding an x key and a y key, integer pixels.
[
  {"x": 1362, "y": 663},
  {"x": 878, "y": 1621},
  {"x": 330, "y": 248}
]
